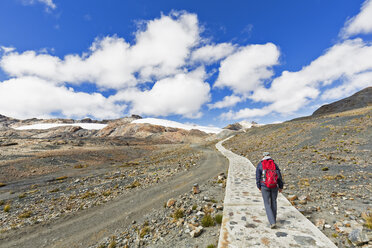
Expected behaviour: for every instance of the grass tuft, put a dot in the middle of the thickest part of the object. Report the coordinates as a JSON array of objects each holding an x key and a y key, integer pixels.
[
  {"x": 207, "y": 221},
  {"x": 218, "y": 219},
  {"x": 7, "y": 208},
  {"x": 178, "y": 214}
]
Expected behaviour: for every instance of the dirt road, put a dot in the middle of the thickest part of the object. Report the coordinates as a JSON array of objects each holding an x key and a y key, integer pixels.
[{"x": 88, "y": 227}]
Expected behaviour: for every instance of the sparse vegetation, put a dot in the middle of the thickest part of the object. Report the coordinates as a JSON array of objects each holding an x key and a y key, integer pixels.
[
  {"x": 107, "y": 193},
  {"x": 145, "y": 230},
  {"x": 23, "y": 195},
  {"x": 178, "y": 213},
  {"x": 133, "y": 185},
  {"x": 88, "y": 194},
  {"x": 25, "y": 215},
  {"x": 368, "y": 218},
  {"x": 218, "y": 218},
  {"x": 7, "y": 208},
  {"x": 207, "y": 221}
]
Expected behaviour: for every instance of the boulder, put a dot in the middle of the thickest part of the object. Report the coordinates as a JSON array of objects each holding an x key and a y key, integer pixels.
[{"x": 358, "y": 237}]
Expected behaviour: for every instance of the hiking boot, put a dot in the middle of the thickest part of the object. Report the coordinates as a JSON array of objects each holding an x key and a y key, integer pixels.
[{"x": 273, "y": 226}]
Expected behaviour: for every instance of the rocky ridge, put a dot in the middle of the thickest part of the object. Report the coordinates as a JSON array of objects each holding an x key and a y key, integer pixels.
[{"x": 360, "y": 99}]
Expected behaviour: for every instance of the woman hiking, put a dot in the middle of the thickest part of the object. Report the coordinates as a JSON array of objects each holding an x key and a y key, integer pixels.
[{"x": 269, "y": 181}]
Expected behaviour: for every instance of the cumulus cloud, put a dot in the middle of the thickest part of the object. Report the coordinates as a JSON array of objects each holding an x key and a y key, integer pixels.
[
  {"x": 182, "y": 94},
  {"x": 227, "y": 101},
  {"x": 28, "y": 97},
  {"x": 246, "y": 69},
  {"x": 212, "y": 53},
  {"x": 160, "y": 51},
  {"x": 348, "y": 62},
  {"x": 351, "y": 85},
  {"x": 361, "y": 23}
]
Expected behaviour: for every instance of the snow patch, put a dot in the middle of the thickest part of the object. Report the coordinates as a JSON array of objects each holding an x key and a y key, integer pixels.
[
  {"x": 42, "y": 126},
  {"x": 174, "y": 124}
]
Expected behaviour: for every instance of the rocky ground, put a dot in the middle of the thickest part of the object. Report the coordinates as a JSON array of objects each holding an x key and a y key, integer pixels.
[
  {"x": 327, "y": 168},
  {"x": 191, "y": 220},
  {"x": 47, "y": 185}
]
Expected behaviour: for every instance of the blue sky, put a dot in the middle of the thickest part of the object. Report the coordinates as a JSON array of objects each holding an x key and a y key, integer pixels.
[{"x": 205, "y": 62}]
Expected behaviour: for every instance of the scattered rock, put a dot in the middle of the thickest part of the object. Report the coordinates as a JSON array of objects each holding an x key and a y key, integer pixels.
[
  {"x": 195, "y": 189},
  {"x": 320, "y": 223},
  {"x": 171, "y": 202},
  {"x": 196, "y": 232},
  {"x": 358, "y": 237}
]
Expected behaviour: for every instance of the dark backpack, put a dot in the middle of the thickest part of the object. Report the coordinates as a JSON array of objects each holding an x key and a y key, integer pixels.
[{"x": 269, "y": 173}]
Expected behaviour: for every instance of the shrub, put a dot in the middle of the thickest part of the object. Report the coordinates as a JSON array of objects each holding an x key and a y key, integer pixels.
[
  {"x": 194, "y": 207},
  {"x": 178, "y": 214},
  {"x": 211, "y": 246},
  {"x": 145, "y": 230},
  {"x": 6, "y": 208},
  {"x": 207, "y": 221},
  {"x": 218, "y": 218},
  {"x": 2, "y": 185},
  {"x": 1, "y": 202}
]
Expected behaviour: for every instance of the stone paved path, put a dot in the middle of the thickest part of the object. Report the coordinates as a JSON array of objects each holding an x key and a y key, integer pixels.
[{"x": 244, "y": 219}]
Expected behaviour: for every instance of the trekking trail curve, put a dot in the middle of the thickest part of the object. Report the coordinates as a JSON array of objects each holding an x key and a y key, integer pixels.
[
  {"x": 90, "y": 226},
  {"x": 244, "y": 219}
]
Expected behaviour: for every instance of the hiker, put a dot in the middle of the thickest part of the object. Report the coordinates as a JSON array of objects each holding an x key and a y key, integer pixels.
[{"x": 269, "y": 181}]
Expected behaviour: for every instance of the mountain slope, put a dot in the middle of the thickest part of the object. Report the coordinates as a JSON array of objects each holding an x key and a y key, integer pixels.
[{"x": 360, "y": 99}]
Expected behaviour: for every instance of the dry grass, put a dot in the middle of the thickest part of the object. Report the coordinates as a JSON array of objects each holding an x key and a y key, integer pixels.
[
  {"x": 25, "y": 215},
  {"x": 178, "y": 213}
]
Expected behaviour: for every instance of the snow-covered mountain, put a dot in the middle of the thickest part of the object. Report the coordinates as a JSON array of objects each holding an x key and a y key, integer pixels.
[{"x": 174, "y": 124}]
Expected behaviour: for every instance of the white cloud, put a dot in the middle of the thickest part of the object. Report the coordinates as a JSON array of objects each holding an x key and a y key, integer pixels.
[
  {"x": 246, "y": 69},
  {"x": 245, "y": 113},
  {"x": 182, "y": 94},
  {"x": 349, "y": 62},
  {"x": 212, "y": 53},
  {"x": 7, "y": 49},
  {"x": 29, "y": 97},
  {"x": 48, "y": 3},
  {"x": 361, "y": 23},
  {"x": 160, "y": 51},
  {"x": 227, "y": 101},
  {"x": 351, "y": 85}
]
